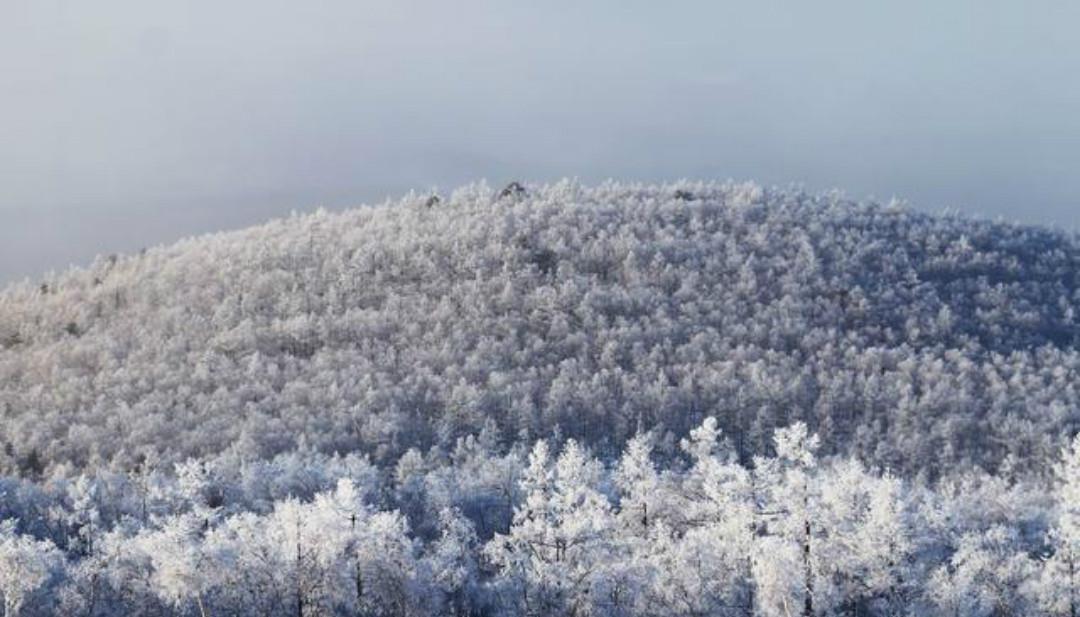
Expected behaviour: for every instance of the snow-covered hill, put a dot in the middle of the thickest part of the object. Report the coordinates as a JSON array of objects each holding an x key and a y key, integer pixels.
[{"x": 905, "y": 339}]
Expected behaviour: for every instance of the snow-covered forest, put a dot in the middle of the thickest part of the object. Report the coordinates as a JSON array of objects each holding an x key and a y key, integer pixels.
[
  {"x": 665, "y": 529},
  {"x": 690, "y": 399},
  {"x": 923, "y": 343}
]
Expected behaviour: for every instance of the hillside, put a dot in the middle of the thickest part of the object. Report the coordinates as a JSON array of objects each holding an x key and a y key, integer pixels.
[{"x": 913, "y": 341}]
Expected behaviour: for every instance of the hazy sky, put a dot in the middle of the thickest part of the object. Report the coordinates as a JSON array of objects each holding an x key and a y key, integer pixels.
[{"x": 130, "y": 123}]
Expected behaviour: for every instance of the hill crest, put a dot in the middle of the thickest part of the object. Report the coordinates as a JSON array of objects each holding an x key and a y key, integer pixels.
[{"x": 907, "y": 339}]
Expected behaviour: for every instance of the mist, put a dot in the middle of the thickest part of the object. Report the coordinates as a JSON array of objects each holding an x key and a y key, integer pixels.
[{"x": 127, "y": 124}]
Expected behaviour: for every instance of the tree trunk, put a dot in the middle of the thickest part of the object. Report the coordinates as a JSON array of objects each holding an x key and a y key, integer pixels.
[
  {"x": 750, "y": 600},
  {"x": 359, "y": 586},
  {"x": 808, "y": 600},
  {"x": 93, "y": 595},
  {"x": 358, "y": 574},
  {"x": 299, "y": 574},
  {"x": 1072, "y": 587}
]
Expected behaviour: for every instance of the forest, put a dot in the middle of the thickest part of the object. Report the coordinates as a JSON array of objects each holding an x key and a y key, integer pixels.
[
  {"x": 665, "y": 529},
  {"x": 628, "y": 399},
  {"x": 913, "y": 341}
]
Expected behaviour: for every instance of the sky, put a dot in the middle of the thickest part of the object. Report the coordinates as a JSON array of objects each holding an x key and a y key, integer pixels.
[{"x": 126, "y": 124}]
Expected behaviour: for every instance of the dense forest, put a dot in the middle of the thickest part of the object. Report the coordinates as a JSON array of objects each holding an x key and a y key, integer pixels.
[
  {"x": 912, "y": 341},
  {"x": 692, "y": 399},
  {"x": 664, "y": 530}
]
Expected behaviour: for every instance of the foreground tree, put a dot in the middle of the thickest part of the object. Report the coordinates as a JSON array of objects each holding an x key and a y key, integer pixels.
[
  {"x": 690, "y": 533},
  {"x": 789, "y": 509},
  {"x": 560, "y": 536},
  {"x": 26, "y": 565},
  {"x": 1058, "y": 589}
]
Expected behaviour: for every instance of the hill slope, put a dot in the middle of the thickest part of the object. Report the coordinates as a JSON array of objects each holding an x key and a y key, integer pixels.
[{"x": 910, "y": 340}]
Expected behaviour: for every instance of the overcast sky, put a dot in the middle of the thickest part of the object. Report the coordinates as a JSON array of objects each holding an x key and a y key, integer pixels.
[{"x": 126, "y": 124}]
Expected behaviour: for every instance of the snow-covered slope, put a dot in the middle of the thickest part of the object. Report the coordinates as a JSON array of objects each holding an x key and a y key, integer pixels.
[{"x": 906, "y": 339}]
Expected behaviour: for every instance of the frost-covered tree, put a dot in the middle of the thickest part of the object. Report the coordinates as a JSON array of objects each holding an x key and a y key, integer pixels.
[
  {"x": 913, "y": 342},
  {"x": 866, "y": 542},
  {"x": 985, "y": 576},
  {"x": 84, "y": 518},
  {"x": 1058, "y": 590},
  {"x": 789, "y": 493},
  {"x": 26, "y": 565},
  {"x": 560, "y": 534},
  {"x": 663, "y": 529},
  {"x": 181, "y": 567},
  {"x": 715, "y": 527},
  {"x": 453, "y": 562},
  {"x": 639, "y": 485}
]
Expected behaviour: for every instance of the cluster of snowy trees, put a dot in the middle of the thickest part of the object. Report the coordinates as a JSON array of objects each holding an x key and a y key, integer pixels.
[
  {"x": 906, "y": 340},
  {"x": 545, "y": 529}
]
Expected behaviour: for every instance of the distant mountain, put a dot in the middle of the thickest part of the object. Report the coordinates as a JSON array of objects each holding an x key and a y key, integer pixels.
[{"x": 913, "y": 341}]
